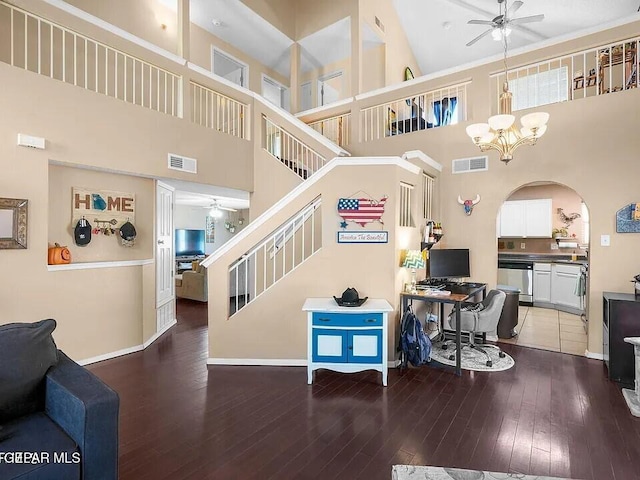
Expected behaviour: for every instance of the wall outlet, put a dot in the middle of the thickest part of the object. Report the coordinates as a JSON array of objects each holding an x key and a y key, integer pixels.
[
  {"x": 605, "y": 240},
  {"x": 554, "y": 246},
  {"x": 523, "y": 246}
]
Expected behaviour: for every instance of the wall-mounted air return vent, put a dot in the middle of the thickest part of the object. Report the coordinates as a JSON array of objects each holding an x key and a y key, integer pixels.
[
  {"x": 473, "y": 164},
  {"x": 184, "y": 164},
  {"x": 379, "y": 24}
]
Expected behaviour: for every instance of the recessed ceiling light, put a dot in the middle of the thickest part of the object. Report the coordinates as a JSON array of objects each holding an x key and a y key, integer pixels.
[
  {"x": 446, "y": 25},
  {"x": 216, "y": 22}
]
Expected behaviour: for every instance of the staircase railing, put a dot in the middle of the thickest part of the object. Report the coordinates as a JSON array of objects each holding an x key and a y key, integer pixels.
[
  {"x": 435, "y": 108},
  {"x": 219, "y": 112},
  {"x": 49, "y": 49},
  {"x": 276, "y": 256},
  {"x": 337, "y": 128},
  {"x": 293, "y": 153}
]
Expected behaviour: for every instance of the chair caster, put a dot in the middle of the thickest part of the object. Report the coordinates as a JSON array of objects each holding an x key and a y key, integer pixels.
[
  {"x": 452, "y": 357},
  {"x": 445, "y": 346},
  {"x": 489, "y": 363},
  {"x": 501, "y": 355}
]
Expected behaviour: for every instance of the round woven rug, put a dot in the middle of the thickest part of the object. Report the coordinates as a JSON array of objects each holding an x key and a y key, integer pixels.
[{"x": 473, "y": 359}]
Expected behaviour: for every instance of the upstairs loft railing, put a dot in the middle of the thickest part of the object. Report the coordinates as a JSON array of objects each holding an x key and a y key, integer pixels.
[
  {"x": 43, "y": 47},
  {"x": 337, "y": 128},
  {"x": 219, "y": 112},
  {"x": 436, "y": 108},
  {"x": 293, "y": 153},
  {"x": 276, "y": 256},
  {"x": 587, "y": 73}
]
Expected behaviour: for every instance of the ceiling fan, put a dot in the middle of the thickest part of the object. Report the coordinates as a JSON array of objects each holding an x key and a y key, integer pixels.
[
  {"x": 500, "y": 26},
  {"x": 215, "y": 209}
]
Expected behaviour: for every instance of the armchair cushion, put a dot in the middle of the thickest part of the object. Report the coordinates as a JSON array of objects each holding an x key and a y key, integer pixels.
[
  {"x": 27, "y": 351},
  {"x": 58, "y": 454}
]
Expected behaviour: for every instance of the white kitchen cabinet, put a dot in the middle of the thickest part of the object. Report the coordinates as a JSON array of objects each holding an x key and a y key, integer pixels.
[
  {"x": 526, "y": 218},
  {"x": 564, "y": 279},
  {"x": 542, "y": 282}
]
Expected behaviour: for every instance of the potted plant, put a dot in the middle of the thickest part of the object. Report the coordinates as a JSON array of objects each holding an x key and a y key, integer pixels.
[{"x": 560, "y": 233}]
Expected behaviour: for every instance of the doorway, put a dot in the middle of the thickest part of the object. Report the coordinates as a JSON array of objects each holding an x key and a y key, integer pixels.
[
  {"x": 543, "y": 234},
  {"x": 330, "y": 88},
  {"x": 229, "y": 68},
  {"x": 275, "y": 92}
]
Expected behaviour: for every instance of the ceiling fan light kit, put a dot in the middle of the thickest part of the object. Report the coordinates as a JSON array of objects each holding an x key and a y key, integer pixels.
[{"x": 500, "y": 132}]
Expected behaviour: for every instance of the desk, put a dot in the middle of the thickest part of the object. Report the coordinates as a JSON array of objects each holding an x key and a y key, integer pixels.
[{"x": 462, "y": 293}]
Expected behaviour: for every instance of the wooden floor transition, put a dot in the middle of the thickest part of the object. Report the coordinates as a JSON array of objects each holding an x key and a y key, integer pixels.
[{"x": 552, "y": 414}]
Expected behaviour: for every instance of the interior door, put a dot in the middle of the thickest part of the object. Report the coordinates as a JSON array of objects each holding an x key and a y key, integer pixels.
[
  {"x": 165, "y": 286},
  {"x": 329, "y": 88},
  {"x": 306, "y": 97},
  {"x": 227, "y": 67}
]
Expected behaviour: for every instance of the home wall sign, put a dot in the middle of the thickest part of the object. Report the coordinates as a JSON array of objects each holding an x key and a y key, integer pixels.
[
  {"x": 99, "y": 206},
  {"x": 628, "y": 219},
  {"x": 363, "y": 237}
]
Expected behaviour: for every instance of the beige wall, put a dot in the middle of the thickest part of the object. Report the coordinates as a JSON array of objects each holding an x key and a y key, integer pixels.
[
  {"x": 102, "y": 248},
  {"x": 279, "y": 13},
  {"x": 278, "y": 324}
]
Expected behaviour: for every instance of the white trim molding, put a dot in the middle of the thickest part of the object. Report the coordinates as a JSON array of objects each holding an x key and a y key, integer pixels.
[
  {"x": 92, "y": 265},
  {"x": 595, "y": 356},
  {"x": 330, "y": 106},
  {"x": 420, "y": 155},
  {"x": 126, "y": 351},
  {"x": 255, "y": 362}
]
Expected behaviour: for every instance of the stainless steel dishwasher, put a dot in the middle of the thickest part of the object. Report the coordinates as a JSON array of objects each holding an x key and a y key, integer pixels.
[{"x": 518, "y": 274}]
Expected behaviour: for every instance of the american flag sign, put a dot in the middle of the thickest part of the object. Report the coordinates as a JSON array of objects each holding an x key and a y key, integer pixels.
[{"x": 361, "y": 210}]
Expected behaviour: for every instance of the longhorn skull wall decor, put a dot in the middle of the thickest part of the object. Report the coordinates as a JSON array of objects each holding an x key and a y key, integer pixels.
[{"x": 468, "y": 204}]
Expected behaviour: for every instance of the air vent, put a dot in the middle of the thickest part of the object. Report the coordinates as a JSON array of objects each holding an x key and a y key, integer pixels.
[
  {"x": 184, "y": 164},
  {"x": 379, "y": 24},
  {"x": 473, "y": 164}
]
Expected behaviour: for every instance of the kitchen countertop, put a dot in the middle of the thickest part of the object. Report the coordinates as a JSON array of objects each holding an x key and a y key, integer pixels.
[{"x": 543, "y": 257}]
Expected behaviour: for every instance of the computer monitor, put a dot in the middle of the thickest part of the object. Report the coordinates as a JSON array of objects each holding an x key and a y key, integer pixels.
[{"x": 449, "y": 263}]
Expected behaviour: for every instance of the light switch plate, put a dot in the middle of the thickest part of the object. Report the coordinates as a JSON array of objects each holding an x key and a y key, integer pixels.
[
  {"x": 523, "y": 246},
  {"x": 605, "y": 240}
]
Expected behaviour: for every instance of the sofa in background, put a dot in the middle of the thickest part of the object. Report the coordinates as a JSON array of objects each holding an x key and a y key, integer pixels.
[
  {"x": 51, "y": 406},
  {"x": 193, "y": 284}
]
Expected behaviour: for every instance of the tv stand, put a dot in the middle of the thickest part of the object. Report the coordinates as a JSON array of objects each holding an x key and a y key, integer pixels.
[{"x": 183, "y": 262}]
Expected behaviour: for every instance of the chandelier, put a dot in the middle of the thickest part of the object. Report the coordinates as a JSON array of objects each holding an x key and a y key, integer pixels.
[{"x": 501, "y": 133}]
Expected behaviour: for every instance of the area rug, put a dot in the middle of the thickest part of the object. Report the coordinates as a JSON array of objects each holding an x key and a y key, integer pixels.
[
  {"x": 472, "y": 359},
  {"x": 411, "y": 472}
]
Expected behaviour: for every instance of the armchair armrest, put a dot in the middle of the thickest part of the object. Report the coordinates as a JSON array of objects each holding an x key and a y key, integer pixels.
[{"x": 87, "y": 410}]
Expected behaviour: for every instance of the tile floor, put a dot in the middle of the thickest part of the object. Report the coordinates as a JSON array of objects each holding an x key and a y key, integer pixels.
[{"x": 549, "y": 329}]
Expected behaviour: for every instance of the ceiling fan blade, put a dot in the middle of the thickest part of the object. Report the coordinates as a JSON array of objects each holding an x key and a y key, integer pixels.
[
  {"x": 515, "y": 6},
  {"x": 480, "y": 22},
  {"x": 531, "y": 19},
  {"x": 227, "y": 209},
  {"x": 479, "y": 37}
]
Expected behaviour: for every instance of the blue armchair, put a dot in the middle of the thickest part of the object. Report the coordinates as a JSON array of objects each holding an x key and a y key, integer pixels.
[{"x": 63, "y": 425}]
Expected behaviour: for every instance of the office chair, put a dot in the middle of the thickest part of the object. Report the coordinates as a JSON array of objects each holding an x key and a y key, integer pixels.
[{"x": 484, "y": 320}]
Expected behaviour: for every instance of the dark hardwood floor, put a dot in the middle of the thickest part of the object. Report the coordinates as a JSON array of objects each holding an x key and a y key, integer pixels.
[{"x": 552, "y": 414}]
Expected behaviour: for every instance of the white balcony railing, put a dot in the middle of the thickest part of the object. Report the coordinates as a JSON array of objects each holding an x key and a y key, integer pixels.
[
  {"x": 276, "y": 256},
  {"x": 436, "y": 108},
  {"x": 293, "y": 153},
  {"x": 337, "y": 129},
  {"x": 596, "y": 71},
  {"x": 219, "y": 112},
  {"x": 43, "y": 47}
]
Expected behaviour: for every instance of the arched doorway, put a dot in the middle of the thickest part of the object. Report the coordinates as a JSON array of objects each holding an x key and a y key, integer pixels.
[{"x": 543, "y": 250}]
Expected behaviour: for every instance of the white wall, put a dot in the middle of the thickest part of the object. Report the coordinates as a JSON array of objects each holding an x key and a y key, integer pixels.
[{"x": 195, "y": 218}]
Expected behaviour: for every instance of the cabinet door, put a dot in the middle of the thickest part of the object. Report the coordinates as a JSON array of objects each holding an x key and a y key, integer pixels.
[
  {"x": 365, "y": 346},
  {"x": 563, "y": 285},
  {"x": 329, "y": 346},
  {"x": 512, "y": 219},
  {"x": 541, "y": 285},
  {"x": 538, "y": 218}
]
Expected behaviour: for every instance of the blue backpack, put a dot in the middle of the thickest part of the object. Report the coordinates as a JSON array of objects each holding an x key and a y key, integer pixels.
[{"x": 415, "y": 345}]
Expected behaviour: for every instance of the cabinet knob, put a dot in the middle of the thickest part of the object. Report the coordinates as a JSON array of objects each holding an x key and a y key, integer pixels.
[
  {"x": 350, "y": 348},
  {"x": 324, "y": 319},
  {"x": 370, "y": 320}
]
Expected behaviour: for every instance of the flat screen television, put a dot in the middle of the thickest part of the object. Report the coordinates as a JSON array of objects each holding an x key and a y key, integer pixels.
[
  {"x": 449, "y": 263},
  {"x": 189, "y": 242}
]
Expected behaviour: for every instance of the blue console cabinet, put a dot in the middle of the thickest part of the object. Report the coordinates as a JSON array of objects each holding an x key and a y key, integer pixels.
[{"x": 347, "y": 339}]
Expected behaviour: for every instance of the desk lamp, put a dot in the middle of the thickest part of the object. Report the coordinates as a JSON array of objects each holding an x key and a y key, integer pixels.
[{"x": 413, "y": 260}]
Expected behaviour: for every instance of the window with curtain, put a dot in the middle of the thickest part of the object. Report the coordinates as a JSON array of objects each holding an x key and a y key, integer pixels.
[
  {"x": 444, "y": 112},
  {"x": 541, "y": 88}
]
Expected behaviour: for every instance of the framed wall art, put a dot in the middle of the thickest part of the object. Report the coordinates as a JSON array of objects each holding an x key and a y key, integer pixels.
[{"x": 13, "y": 223}]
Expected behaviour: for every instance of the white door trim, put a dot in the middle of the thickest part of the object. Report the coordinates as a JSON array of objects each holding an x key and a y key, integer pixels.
[
  {"x": 323, "y": 79},
  {"x": 245, "y": 77}
]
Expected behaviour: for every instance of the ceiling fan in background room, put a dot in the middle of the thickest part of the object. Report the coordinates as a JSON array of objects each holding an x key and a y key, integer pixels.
[
  {"x": 500, "y": 26},
  {"x": 217, "y": 211}
]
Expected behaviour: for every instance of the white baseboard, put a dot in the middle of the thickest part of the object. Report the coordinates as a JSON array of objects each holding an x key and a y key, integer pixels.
[
  {"x": 595, "y": 356},
  {"x": 127, "y": 351},
  {"x": 157, "y": 335},
  {"x": 273, "y": 362}
]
